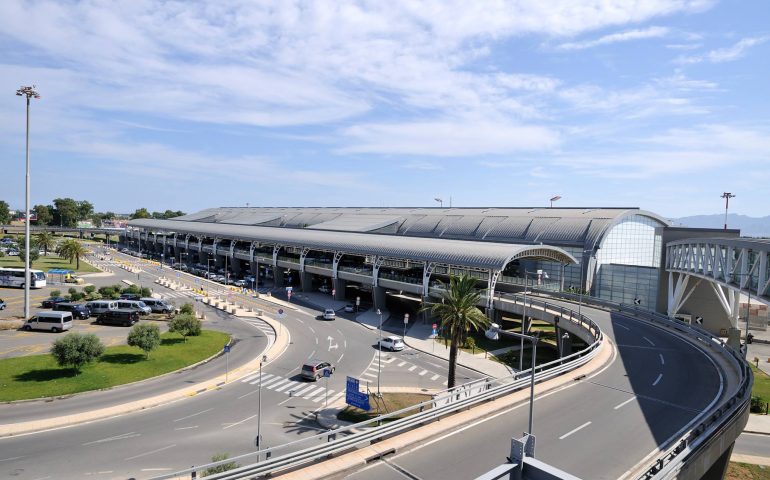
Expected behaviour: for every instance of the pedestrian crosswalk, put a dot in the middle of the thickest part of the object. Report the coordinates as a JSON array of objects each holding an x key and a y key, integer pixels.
[
  {"x": 378, "y": 365},
  {"x": 305, "y": 390}
]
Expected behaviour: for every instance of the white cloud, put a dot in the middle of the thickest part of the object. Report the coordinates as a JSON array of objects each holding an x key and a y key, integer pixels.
[
  {"x": 727, "y": 54},
  {"x": 627, "y": 36}
]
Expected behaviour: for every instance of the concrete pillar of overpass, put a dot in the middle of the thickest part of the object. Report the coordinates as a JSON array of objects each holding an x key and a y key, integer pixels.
[
  {"x": 339, "y": 286},
  {"x": 378, "y": 296},
  {"x": 278, "y": 276},
  {"x": 305, "y": 281},
  {"x": 734, "y": 338},
  {"x": 202, "y": 257},
  {"x": 237, "y": 266},
  {"x": 219, "y": 261},
  {"x": 719, "y": 468},
  {"x": 566, "y": 344}
]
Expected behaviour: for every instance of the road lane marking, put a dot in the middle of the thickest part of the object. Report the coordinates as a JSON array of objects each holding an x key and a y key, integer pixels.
[
  {"x": 423, "y": 373},
  {"x": 284, "y": 387},
  {"x": 12, "y": 458},
  {"x": 574, "y": 430},
  {"x": 662, "y": 362},
  {"x": 280, "y": 381},
  {"x": 238, "y": 423},
  {"x": 622, "y": 326},
  {"x": 660, "y": 375},
  {"x": 311, "y": 329},
  {"x": 412, "y": 368},
  {"x": 340, "y": 359},
  {"x": 434, "y": 377},
  {"x": 367, "y": 374},
  {"x": 401, "y": 364},
  {"x": 649, "y": 341},
  {"x": 150, "y": 453},
  {"x": 303, "y": 391},
  {"x": 110, "y": 439},
  {"x": 390, "y": 360},
  {"x": 186, "y": 428},
  {"x": 255, "y": 376},
  {"x": 624, "y": 403}
]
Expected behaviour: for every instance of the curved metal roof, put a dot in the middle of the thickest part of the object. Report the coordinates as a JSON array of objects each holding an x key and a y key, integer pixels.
[{"x": 483, "y": 255}]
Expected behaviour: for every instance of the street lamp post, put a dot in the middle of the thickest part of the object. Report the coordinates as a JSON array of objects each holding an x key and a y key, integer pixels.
[
  {"x": 561, "y": 344},
  {"x": 534, "y": 339},
  {"x": 440, "y": 201},
  {"x": 379, "y": 354},
  {"x": 259, "y": 407},
  {"x": 28, "y": 92},
  {"x": 523, "y": 321},
  {"x": 582, "y": 266},
  {"x": 727, "y": 196},
  {"x": 208, "y": 266},
  {"x": 555, "y": 199}
]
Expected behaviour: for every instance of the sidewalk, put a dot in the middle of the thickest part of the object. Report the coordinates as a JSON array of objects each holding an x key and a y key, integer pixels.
[{"x": 758, "y": 424}]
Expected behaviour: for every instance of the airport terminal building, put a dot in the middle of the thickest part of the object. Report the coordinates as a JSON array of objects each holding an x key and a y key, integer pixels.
[{"x": 611, "y": 253}]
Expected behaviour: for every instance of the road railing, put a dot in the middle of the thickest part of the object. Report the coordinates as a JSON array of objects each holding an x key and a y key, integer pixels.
[
  {"x": 322, "y": 446},
  {"x": 714, "y": 420}
]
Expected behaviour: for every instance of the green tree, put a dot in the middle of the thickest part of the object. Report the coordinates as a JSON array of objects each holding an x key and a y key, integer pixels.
[
  {"x": 44, "y": 214},
  {"x": 141, "y": 213},
  {"x": 187, "y": 308},
  {"x": 45, "y": 241},
  {"x": 34, "y": 250},
  {"x": 145, "y": 336},
  {"x": 76, "y": 350},
  {"x": 89, "y": 289},
  {"x": 5, "y": 213},
  {"x": 96, "y": 220},
  {"x": 66, "y": 212},
  {"x": 85, "y": 209},
  {"x": 220, "y": 468},
  {"x": 71, "y": 250},
  {"x": 458, "y": 315},
  {"x": 185, "y": 325}
]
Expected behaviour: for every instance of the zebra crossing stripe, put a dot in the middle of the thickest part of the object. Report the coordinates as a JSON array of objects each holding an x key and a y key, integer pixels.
[
  {"x": 423, "y": 372},
  {"x": 256, "y": 375},
  {"x": 302, "y": 391},
  {"x": 284, "y": 381},
  {"x": 390, "y": 360},
  {"x": 401, "y": 364},
  {"x": 321, "y": 397},
  {"x": 316, "y": 392},
  {"x": 284, "y": 387},
  {"x": 273, "y": 382},
  {"x": 412, "y": 368},
  {"x": 434, "y": 377},
  {"x": 367, "y": 374}
]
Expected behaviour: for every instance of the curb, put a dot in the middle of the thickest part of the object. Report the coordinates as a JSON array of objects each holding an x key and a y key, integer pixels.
[{"x": 458, "y": 362}]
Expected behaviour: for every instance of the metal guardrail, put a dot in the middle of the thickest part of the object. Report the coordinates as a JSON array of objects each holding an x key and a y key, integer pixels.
[
  {"x": 712, "y": 421},
  {"x": 374, "y": 430}
]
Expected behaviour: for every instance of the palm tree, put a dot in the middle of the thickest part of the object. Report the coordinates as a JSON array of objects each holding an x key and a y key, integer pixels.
[
  {"x": 45, "y": 241},
  {"x": 458, "y": 315},
  {"x": 71, "y": 250}
]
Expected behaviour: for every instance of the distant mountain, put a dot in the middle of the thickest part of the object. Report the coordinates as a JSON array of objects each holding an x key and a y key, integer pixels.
[{"x": 749, "y": 226}]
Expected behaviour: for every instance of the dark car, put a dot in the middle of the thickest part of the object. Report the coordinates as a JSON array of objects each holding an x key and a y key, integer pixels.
[
  {"x": 79, "y": 311},
  {"x": 51, "y": 302},
  {"x": 120, "y": 316},
  {"x": 130, "y": 296},
  {"x": 2, "y": 304}
]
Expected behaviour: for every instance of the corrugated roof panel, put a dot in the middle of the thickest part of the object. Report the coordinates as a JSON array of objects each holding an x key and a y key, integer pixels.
[
  {"x": 511, "y": 228},
  {"x": 537, "y": 227},
  {"x": 486, "y": 225},
  {"x": 463, "y": 227},
  {"x": 357, "y": 223},
  {"x": 564, "y": 230},
  {"x": 424, "y": 226}
]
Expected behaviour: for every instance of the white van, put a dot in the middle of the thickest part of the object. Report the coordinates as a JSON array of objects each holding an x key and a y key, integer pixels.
[
  {"x": 51, "y": 321},
  {"x": 158, "y": 305},
  {"x": 100, "y": 306},
  {"x": 137, "y": 305}
]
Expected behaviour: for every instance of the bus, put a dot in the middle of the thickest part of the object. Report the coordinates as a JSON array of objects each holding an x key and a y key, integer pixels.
[{"x": 14, "y": 277}]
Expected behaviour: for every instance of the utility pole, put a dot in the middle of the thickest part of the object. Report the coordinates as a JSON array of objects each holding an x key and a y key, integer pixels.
[{"x": 727, "y": 196}]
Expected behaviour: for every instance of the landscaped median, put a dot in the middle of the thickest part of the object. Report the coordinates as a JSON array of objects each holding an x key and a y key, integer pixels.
[{"x": 38, "y": 376}]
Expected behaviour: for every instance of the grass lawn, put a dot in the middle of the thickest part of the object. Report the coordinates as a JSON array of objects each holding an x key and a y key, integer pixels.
[
  {"x": 761, "y": 384},
  {"x": 745, "y": 471},
  {"x": 45, "y": 263},
  {"x": 39, "y": 376},
  {"x": 390, "y": 402}
]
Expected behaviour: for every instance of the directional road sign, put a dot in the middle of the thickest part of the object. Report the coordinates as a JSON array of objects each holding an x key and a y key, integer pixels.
[{"x": 354, "y": 397}]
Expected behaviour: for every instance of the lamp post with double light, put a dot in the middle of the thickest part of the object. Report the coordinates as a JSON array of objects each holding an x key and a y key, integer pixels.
[
  {"x": 262, "y": 361},
  {"x": 30, "y": 93},
  {"x": 379, "y": 354}
]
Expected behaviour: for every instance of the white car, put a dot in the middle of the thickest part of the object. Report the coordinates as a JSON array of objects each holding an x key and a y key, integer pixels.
[
  {"x": 324, "y": 289},
  {"x": 329, "y": 314},
  {"x": 350, "y": 308},
  {"x": 392, "y": 343},
  {"x": 492, "y": 332}
]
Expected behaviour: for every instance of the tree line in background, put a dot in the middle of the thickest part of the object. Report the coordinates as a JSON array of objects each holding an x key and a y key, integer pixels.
[{"x": 67, "y": 212}]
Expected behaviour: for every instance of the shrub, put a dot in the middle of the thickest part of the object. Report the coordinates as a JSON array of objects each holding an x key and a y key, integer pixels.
[
  {"x": 185, "y": 325},
  {"x": 470, "y": 342},
  {"x": 187, "y": 308},
  {"x": 89, "y": 289},
  {"x": 72, "y": 290},
  {"x": 76, "y": 350},
  {"x": 131, "y": 289},
  {"x": 106, "y": 292},
  {"x": 220, "y": 468},
  {"x": 56, "y": 293},
  {"x": 145, "y": 292},
  {"x": 145, "y": 336}
]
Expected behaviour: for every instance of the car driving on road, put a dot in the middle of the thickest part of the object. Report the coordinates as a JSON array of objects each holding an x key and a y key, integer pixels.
[
  {"x": 329, "y": 314},
  {"x": 314, "y": 369},
  {"x": 392, "y": 343}
]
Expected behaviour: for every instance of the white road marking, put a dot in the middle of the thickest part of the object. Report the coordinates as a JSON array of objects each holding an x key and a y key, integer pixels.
[
  {"x": 662, "y": 362},
  {"x": 12, "y": 458},
  {"x": 255, "y": 376},
  {"x": 367, "y": 374},
  {"x": 622, "y": 326},
  {"x": 274, "y": 381},
  {"x": 283, "y": 381},
  {"x": 284, "y": 387},
  {"x": 401, "y": 364},
  {"x": 389, "y": 360},
  {"x": 315, "y": 393},
  {"x": 412, "y": 368},
  {"x": 316, "y": 340},
  {"x": 423, "y": 373},
  {"x": 238, "y": 423},
  {"x": 186, "y": 428},
  {"x": 624, "y": 403},
  {"x": 110, "y": 439},
  {"x": 150, "y": 453},
  {"x": 311, "y": 329},
  {"x": 156, "y": 469},
  {"x": 660, "y": 375},
  {"x": 574, "y": 430},
  {"x": 434, "y": 377},
  {"x": 193, "y": 415},
  {"x": 649, "y": 341},
  {"x": 302, "y": 391}
]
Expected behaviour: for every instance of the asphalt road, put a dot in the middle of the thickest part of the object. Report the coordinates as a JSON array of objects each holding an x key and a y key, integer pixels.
[
  {"x": 756, "y": 444},
  {"x": 190, "y": 431},
  {"x": 597, "y": 428}
]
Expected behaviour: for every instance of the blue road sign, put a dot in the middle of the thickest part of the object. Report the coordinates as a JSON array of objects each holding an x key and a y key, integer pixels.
[
  {"x": 352, "y": 385},
  {"x": 227, "y": 348},
  {"x": 354, "y": 397},
  {"x": 327, "y": 373}
]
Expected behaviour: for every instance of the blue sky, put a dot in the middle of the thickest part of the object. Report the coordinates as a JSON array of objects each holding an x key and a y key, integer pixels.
[{"x": 660, "y": 104}]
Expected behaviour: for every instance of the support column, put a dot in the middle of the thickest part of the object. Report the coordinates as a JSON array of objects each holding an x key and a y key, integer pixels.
[
  {"x": 339, "y": 286},
  {"x": 278, "y": 277},
  {"x": 237, "y": 264},
  {"x": 305, "y": 281},
  {"x": 378, "y": 296}
]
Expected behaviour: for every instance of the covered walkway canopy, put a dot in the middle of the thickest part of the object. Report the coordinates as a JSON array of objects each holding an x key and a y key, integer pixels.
[{"x": 462, "y": 253}]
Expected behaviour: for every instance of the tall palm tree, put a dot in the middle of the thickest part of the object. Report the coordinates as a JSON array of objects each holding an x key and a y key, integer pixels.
[
  {"x": 458, "y": 315},
  {"x": 71, "y": 250},
  {"x": 45, "y": 241}
]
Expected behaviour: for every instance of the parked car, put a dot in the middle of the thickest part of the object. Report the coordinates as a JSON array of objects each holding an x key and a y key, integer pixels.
[
  {"x": 78, "y": 310},
  {"x": 2, "y": 304},
  {"x": 52, "y": 321},
  {"x": 123, "y": 317},
  {"x": 350, "y": 308},
  {"x": 241, "y": 283},
  {"x": 158, "y": 305},
  {"x": 130, "y": 296},
  {"x": 50, "y": 302},
  {"x": 324, "y": 289},
  {"x": 98, "y": 307},
  {"x": 329, "y": 314},
  {"x": 314, "y": 369},
  {"x": 137, "y": 305},
  {"x": 392, "y": 343}
]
